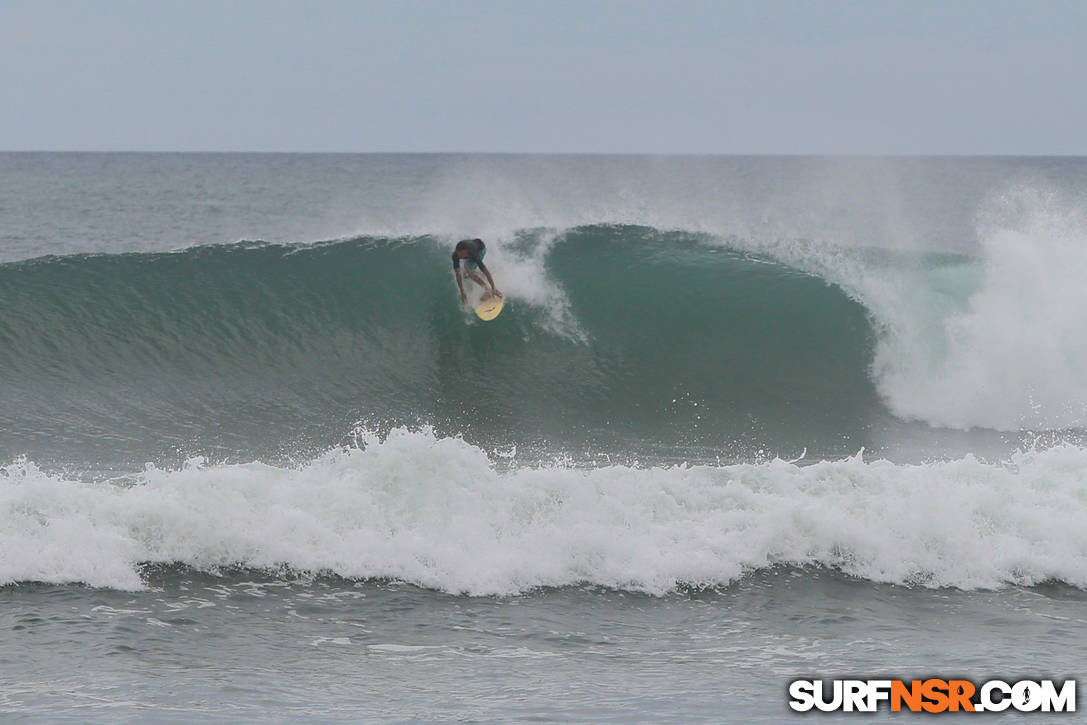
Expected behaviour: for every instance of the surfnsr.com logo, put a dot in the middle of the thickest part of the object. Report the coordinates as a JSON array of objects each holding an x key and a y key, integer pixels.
[{"x": 932, "y": 695}]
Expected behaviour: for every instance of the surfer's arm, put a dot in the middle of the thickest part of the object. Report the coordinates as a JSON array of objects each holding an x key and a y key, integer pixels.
[
  {"x": 460, "y": 284},
  {"x": 488, "y": 273}
]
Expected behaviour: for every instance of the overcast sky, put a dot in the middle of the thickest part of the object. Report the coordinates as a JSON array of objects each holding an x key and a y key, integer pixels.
[{"x": 674, "y": 76}]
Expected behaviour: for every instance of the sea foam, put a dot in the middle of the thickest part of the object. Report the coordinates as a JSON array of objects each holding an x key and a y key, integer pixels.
[
  {"x": 438, "y": 513},
  {"x": 997, "y": 339},
  {"x": 1015, "y": 355}
]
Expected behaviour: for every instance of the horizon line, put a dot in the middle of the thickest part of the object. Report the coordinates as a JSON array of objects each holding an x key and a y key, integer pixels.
[{"x": 780, "y": 154}]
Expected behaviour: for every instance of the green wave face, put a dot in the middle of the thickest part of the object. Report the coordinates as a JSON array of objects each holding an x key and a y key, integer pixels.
[{"x": 665, "y": 345}]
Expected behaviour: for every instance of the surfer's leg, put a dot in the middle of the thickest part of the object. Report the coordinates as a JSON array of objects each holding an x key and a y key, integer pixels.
[{"x": 474, "y": 276}]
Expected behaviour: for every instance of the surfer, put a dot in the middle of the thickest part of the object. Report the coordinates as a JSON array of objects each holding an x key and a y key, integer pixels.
[{"x": 471, "y": 252}]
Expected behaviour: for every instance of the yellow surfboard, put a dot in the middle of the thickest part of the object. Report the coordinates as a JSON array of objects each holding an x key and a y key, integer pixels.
[{"x": 489, "y": 306}]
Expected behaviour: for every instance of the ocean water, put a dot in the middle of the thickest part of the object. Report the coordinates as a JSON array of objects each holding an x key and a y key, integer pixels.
[{"x": 743, "y": 420}]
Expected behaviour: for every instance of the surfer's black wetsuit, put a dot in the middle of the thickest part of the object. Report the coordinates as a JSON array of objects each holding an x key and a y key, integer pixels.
[{"x": 476, "y": 249}]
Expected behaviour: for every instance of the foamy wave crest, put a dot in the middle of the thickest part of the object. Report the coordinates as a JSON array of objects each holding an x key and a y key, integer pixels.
[
  {"x": 436, "y": 512},
  {"x": 998, "y": 341},
  {"x": 1016, "y": 356}
]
